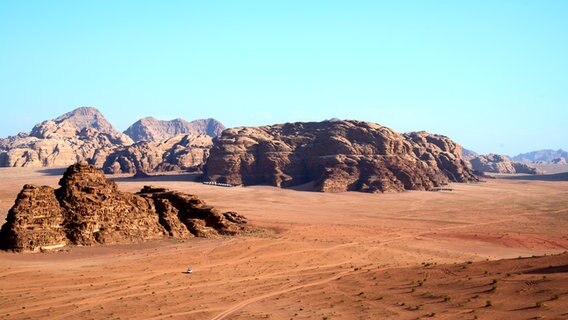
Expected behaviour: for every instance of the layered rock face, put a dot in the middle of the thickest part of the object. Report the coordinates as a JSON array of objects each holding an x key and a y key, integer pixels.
[
  {"x": 336, "y": 156},
  {"x": 150, "y": 129},
  {"x": 182, "y": 152},
  {"x": 82, "y": 134},
  {"x": 88, "y": 209},
  {"x": 495, "y": 163}
]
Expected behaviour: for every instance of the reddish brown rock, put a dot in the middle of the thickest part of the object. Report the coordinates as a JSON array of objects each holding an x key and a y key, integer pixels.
[
  {"x": 89, "y": 209},
  {"x": 336, "y": 156}
]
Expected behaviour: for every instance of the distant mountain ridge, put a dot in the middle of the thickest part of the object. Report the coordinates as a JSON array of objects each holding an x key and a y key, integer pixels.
[
  {"x": 84, "y": 134},
  {"x": 545, "y": 155},
  {"x": 152, "y": 129}
]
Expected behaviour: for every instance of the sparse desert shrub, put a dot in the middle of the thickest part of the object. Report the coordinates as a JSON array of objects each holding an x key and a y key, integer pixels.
[
  {"x": 488, "y": 303},
  {"x": 447, "y": 298},
  {"x": 539, "y": 304}
]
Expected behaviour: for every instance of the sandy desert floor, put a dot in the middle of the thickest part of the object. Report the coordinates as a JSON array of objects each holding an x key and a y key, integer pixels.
[{"x": 312, "y": 255}]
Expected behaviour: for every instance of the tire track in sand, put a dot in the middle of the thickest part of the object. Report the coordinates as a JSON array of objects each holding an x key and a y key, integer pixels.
[{"x": 245, "y": 303}]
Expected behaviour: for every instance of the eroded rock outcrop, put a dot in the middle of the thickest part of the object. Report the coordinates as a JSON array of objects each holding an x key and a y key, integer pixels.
[
  {"x": 183, "y": 152},
  {"x": 88, "y": 209},
  {"x": 495, "y": 163},
  {"x": 336, "y": 156},
  {"x": 82, "y": 134},
  {"x": 151, "y": 129}
]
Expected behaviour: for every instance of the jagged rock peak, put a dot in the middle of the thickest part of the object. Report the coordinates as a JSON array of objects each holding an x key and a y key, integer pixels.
[
  {"x": 151, "y": 129},
  {"x": 89, "y": 209},
  {"x": 70, "y": 123},
  {"x": 336, "y": 156},
  {"x": 82, "y": 134}
]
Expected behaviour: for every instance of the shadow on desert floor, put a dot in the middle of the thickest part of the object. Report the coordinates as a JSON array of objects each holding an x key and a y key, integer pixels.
[
  {"x": 52, "y": 171},
  {"x": 563, "y": 176},
  {"x": 161, "y": 178}
]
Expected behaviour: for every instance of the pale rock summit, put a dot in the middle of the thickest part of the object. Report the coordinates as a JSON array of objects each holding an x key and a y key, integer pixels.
[
  {"x": 151, "y": 129},
  {"x": 82, "y": 134}
]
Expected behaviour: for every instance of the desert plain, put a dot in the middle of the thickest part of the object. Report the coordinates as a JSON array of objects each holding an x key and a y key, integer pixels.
[{"x": 489, "y": 250}]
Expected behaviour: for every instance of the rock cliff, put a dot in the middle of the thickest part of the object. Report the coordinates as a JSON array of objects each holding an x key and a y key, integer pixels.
[
  {"x": 88, "y": 209},
  {"x": 495, "y": 163},
  {"x": 336, "y": 156},
  {"x": 151, "y": 129}
]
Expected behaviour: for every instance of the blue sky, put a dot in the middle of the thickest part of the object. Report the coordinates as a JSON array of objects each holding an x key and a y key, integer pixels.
[{"x": 492, "y": 75}]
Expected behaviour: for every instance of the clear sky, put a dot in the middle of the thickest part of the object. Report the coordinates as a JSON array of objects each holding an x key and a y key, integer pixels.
[{"x": 492, "y": 75}]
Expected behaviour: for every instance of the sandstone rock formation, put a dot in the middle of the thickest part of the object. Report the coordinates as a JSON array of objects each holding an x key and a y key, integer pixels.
[
  {"x": 494, "y": 163},
  {"x": 88, "y": 209},
  {"x": 183, "y": 152},
  {"x": 150, "y": 129},
  {"x": 82, "y": 134},
  {"x": 336, "y": 156}
]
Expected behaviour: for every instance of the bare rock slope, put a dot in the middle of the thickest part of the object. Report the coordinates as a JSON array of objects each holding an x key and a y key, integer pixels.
[
  {"x": 151, "y": 129},
  {"x": 182, "y": 152},
  {"x": 88, "y": 209},
  {"x": 495, "y": 163},
  {"x": 82, "y": 134},
  {"x": 336, "y": 156}
]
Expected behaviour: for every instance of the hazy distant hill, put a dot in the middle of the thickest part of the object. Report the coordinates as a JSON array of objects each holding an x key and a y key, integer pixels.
[
  {"x": 151, "y": 129},
  {"x": 546, "y": 155}
]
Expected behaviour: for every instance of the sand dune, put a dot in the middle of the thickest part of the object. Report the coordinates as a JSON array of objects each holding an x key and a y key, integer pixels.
[{"x": 315, "y": 256}]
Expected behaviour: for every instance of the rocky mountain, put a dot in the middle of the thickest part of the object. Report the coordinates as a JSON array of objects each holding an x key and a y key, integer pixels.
[
  {"x": 85, "y": 135},
  {"x": 546, "y": 155},
  {"x": 336, "y": 156},
  {"x": 88, "y": 209},
  {"x": 494, "y": 163},
  {"x": 82, "y": 134},
  {"x": 182, "y": 152},
  {"x": 150, "y": 129}
]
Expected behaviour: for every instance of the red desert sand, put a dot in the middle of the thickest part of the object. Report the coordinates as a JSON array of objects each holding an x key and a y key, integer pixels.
[{"x": 460, "y": 254}]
